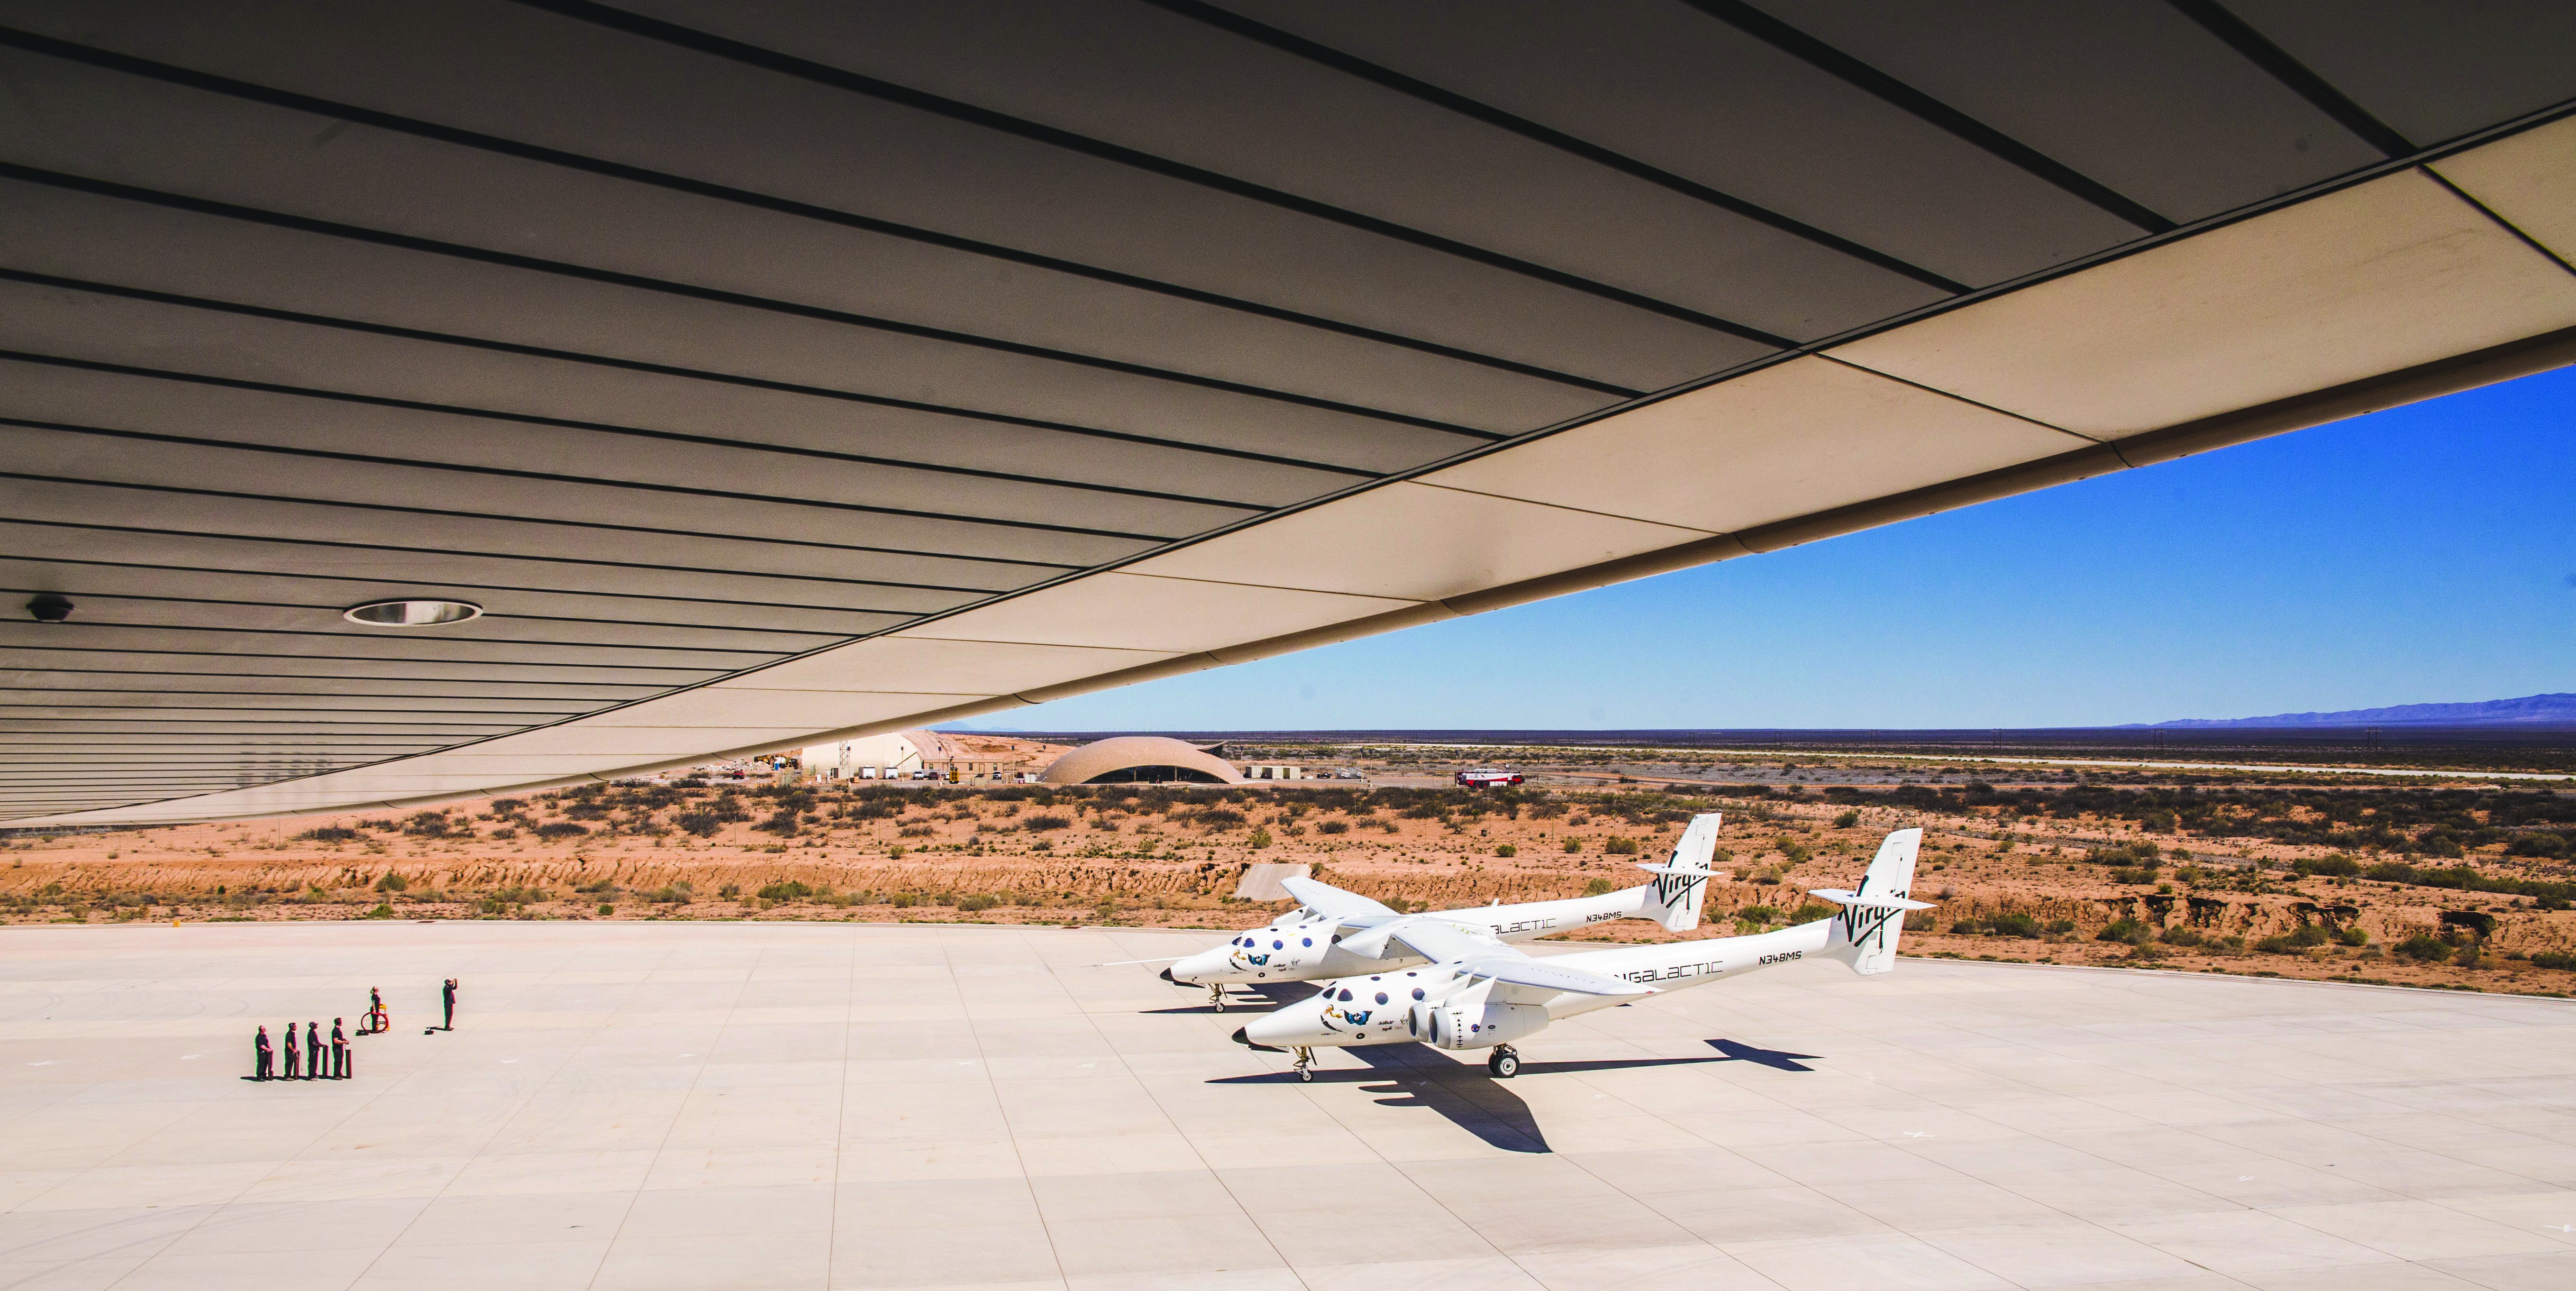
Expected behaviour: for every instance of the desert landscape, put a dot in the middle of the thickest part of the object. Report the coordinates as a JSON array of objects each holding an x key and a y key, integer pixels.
[{"x": 2424, "y": 885}]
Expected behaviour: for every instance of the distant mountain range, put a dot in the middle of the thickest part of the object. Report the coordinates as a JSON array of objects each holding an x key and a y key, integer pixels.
[{"x": 2530, "y": 710}]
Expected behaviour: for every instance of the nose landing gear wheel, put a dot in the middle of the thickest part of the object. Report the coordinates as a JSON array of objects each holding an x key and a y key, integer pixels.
[
  {"x": 1216, "y": 998},
  {"x": 1503, "y": 1062},
  {"x": 1304, "y": 1066}
]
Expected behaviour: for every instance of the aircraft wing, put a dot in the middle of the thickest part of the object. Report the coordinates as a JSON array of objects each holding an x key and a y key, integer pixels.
[
  {"x": 620, "y": 392},
  {"x": 1522, "y": 970},
  {"x": 1450, "y": 945},
  {"x": 1332, "y": 902}
]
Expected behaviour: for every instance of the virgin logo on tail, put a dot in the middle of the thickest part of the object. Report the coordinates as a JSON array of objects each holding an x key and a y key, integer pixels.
[
  {"x": 1860, "y": 923},
  {"x": 1671, "y": 889}
]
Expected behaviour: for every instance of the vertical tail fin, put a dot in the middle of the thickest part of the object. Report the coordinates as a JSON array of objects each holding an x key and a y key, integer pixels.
[
  {"x": 1873, "y": 915},
  {"x": 1681, "y": 882}
]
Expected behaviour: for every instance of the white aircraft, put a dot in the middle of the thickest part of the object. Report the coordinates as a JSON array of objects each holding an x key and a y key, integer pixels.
[
  {"x": 1334, "y": 933},
  {"x": 1474, "y": 992}
]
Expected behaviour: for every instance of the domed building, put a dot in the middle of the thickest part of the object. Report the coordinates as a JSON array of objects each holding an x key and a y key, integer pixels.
[{"x": 1140, "y": 759}]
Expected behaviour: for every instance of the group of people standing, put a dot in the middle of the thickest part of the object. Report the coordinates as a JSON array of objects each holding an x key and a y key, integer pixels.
[
  {"x": 333, "y": 1065},
  {"x": 310, "y": 1061}
]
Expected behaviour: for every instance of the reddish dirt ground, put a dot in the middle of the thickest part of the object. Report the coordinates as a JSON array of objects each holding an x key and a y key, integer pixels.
[{"x": 1156, "y": 861}]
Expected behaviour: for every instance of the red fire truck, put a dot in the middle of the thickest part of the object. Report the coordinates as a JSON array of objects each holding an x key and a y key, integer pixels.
[{"x": 1486, "y": 778}]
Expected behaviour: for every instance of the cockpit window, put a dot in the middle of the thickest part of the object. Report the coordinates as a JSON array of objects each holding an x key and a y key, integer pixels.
[{"x": 1345, "y": 997}]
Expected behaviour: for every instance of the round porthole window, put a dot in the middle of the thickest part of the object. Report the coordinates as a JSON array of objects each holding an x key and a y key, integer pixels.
[{"x": 412, "y": 614}]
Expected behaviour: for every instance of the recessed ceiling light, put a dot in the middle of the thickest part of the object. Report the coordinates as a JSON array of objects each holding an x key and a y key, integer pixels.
[{"x": 412, "y": 614}]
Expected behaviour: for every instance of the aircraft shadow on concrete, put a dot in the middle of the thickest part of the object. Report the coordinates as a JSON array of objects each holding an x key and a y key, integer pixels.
[
  {"x": 1273, "y": 995},
  {"x": 1417, "y": 1075}
]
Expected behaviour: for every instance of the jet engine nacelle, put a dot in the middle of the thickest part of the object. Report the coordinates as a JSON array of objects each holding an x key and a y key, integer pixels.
[{"x": 1473, "y": 1024}]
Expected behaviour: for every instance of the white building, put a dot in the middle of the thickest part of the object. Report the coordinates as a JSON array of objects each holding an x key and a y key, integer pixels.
[{"x": 895, "y": 755}]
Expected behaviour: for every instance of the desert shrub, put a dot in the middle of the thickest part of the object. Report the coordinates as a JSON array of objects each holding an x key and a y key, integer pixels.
[
  {"x": 1260, "y": 838},
  {"x": 784, "y": 890},
  {"x": 1047, "y": 822},
  {"x": 2352, "y": 935},
  {"x": 381, "y": 911},
  {"x": 2125, "y": 930},
  {"x": 1215, "y": 818},
  {"x": 1620, "y": 847},
  {"x": 427, "y": 824},
  {"x": 2016, "y": 924},
  {"x": 2060, "y": 927},
  {"x": 329, "y": 834},
  {"x": 1507, "y": 850},
  {"x": 555, "y": 829},
  {"x": 1574, "y": 845},
  {"x": 2337, "y": 866},
  {"x": 606, "y": 908},
  {"x": 974, "y": 903},
  {"x": 2426, "y": 949},
  {"x": 1969, "y": 927},
  {"x": 2126, "y": 854},
  {"x": 2553, "y": 959},
  {"x": 1811, "y": 912},
  {"x": 2390, "y": 872},
  {"x": 781, "y": 822},
  {"x": 2180, "y": 935},
  {"x": 505, "y": 806},
  {"x": 392, "y": 882},
  {"x": 670, "y": 894},
  {"x": 1333, "y": 827},
  {"x": 2538, "y": 844},
  {"x": 1847, "y": 820},
  {"x": 1599, "y": 887},
  {"x": 1759, "y": 914}
]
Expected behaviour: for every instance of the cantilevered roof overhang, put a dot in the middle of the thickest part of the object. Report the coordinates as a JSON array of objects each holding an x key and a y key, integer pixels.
[{"x": 773, "y": 374}]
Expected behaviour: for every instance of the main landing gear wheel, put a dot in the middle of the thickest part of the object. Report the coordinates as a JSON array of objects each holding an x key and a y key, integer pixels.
[
  {"x": 1305, "y": 1064},
  {"x": 1503, "y": 1062}
]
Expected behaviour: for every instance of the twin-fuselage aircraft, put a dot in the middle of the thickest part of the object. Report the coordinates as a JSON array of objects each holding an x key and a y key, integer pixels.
[{"x": 1452, "y": 979}]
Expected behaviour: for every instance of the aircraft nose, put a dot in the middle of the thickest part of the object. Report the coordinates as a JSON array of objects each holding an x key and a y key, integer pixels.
[
  {"x": 1197, "y": 970},
  {"x": 1294, "y": 1024}
]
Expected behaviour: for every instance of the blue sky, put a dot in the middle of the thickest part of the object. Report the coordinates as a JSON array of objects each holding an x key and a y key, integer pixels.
[{"x": 2422, "y": 554}]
